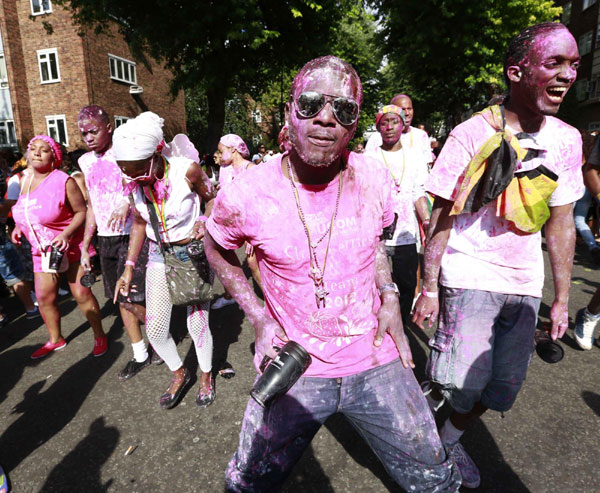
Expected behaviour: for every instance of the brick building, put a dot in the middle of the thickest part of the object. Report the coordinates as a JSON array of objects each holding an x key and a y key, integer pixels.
[
  {"x": 582, "y": 17},
  {"x": 48, "y": 72}
]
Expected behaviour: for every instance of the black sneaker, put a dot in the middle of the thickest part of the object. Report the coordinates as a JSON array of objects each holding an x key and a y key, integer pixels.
[
  {"x": 156, "y": 359},
  {"x": 132, "y": 368}
]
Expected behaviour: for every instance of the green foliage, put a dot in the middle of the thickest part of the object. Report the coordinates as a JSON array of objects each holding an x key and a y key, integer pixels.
[{"x": 451, "y": 51}]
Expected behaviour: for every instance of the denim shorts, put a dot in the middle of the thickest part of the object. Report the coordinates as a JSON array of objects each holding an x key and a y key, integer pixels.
[
  {"x": 482, "y": 347},
  {"x": 12, "y": 269}
]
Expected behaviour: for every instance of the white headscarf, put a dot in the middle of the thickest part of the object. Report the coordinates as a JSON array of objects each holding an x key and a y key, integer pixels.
[{"x": 138, "y": 138}]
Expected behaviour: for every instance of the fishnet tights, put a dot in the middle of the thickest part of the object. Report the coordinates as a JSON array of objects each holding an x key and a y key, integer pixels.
[{"x": 158, "y": 318}]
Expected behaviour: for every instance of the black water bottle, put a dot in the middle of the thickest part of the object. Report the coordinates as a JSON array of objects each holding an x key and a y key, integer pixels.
[{"x": 281, "y": 373}]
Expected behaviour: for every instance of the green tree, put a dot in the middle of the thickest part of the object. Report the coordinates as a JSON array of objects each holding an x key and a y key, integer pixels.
[
  {"x": 451, "y": 51},
  {"x": 224, "y": 47}
]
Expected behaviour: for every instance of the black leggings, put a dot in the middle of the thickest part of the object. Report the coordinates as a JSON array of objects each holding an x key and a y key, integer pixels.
[{"x": 405, "y": 261}]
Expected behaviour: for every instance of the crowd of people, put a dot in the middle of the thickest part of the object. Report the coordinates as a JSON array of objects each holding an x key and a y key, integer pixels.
[{"x": 332, "y": 239}]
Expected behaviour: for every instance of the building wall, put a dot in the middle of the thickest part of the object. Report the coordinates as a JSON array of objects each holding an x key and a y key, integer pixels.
[
  {"x": 114, "y": 95},
  {"x": 59, "y": 98},
  {"x": 84, "y": 74},
  {"x": 582, "y": 21}
]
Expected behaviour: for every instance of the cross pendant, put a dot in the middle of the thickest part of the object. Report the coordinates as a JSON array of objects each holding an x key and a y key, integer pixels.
[{"x": 320, "y": 294}]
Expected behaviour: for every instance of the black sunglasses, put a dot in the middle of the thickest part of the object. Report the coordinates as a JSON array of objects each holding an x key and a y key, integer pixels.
[{"x": 311, "y": 103}]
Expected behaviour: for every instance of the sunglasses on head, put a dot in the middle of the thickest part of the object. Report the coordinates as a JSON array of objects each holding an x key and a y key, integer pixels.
[{"x": 310, "y": 103}]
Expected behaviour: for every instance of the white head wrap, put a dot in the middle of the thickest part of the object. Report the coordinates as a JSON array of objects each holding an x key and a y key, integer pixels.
[{"x": 138, "y": 138}]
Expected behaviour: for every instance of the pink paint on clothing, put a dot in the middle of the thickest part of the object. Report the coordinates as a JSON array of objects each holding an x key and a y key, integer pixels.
[
  {"x": 104, "y": 182},
  {"x": 484, "y": 251},
  {"x": 259, "y": 207},
  {"x": 49, "y": 215},
  {"x": 409, "y": 172}
]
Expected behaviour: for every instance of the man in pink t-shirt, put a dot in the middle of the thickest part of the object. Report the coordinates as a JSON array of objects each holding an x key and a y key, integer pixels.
[
  {"x": 108, "y": 215},
  {"x": 492, "y": 270},
  {"x": 315, "y": 217}
]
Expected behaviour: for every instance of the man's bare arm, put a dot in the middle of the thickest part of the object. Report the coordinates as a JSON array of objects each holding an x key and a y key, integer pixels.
[
  {"x": 560, "y": 240},
  {"x": 437, "y": 240},
  {"x": 229, "y": 270}
]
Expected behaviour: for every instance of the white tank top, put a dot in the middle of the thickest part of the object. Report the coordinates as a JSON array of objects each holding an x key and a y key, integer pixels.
[{"x": 182, "y": 206}]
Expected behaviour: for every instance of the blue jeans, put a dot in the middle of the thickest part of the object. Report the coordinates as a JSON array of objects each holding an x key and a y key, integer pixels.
[
  {"x": 11, "y": 266},
  {"x": 384, "y": 404},
  {"x": 582, "y": 206}
]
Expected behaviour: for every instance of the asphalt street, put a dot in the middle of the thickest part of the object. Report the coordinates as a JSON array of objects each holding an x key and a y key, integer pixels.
[{"x": 67, "y": 422}]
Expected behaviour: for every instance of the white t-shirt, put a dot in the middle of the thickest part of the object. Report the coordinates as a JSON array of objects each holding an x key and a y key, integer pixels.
[
  {"x": 415, "y": 137},
  {"x": 409, "y": 172},
  {"x": 182, "y": 206},
  {"x": 484, "y": 251}
]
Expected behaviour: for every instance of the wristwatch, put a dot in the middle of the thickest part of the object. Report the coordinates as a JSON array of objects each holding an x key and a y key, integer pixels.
[{"x": 389, "y": 287}]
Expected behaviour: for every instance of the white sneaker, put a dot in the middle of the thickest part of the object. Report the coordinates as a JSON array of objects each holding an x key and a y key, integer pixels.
[
  {"x": 585, "y": 324},
  {"x": 33, "y": 298},
  {"x": 221, "y": 302}
]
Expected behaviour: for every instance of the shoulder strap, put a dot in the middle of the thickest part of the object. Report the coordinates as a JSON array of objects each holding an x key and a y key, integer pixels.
[{"x": 154, "y": 222}]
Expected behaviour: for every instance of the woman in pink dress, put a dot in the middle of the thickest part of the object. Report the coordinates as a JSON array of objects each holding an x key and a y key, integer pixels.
[{"x": 50, "y": 213}]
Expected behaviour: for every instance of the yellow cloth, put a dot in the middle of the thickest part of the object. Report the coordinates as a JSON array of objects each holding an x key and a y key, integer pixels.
[{"x": 524, "y": 201}]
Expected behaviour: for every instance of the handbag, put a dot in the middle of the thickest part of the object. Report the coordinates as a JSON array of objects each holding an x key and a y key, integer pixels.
[{"x": 186, "y": 285}]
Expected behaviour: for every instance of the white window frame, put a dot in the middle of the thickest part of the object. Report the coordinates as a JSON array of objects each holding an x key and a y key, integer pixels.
[
  {"x": 587, "y": 4},
  {"x": 566, "y": 13},
  {"x": 3, "y": 81},
  {"x": 43, "y": 10},
  {"x": 584, "y": 43},
  {"x": 53, "y": 130},
  {"x": 41, "y": 54},
  {"x": 125, "y": 63},
  {"x": 119, "y": 120},
  {"x": 10, "y": 133}
]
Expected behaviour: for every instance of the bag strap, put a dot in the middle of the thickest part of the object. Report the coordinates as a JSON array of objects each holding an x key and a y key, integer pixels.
[
  {"x": 26, "y": 210},
  {"x": 154, "y": 223}
]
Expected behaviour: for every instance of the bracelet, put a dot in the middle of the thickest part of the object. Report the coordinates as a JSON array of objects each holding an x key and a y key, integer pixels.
[
  {"x": 429, "y": 294},
  {"x": 202, "y": 218},
  {"x": 130, "y": 262}
]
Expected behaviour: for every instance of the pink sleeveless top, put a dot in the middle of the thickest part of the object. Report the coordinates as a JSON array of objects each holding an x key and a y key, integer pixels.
[{"x": 49, "y": 214}]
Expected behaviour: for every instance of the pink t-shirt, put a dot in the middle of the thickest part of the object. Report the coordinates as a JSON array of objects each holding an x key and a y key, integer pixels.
[
  {"x": 486, "y": 252},
  {"x": 104, "y": 182},
  {"x": 49, "y": 215},
  {"x": 259, "y": 207}
]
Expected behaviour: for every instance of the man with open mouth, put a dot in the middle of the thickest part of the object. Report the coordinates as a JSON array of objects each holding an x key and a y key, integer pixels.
[{"x": 501, "y": 176}]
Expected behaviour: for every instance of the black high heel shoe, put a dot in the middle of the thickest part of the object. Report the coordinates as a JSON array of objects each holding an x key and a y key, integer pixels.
[
  {"x": 205, "y": 399},
  {"x": 168, "y": 400}
]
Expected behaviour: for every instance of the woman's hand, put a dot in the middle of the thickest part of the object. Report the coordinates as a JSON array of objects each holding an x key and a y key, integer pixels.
[
  {"x": 15, "y": 236},
  {"x": 124, "y": 283},
  {"x": 61, "y": 242}
]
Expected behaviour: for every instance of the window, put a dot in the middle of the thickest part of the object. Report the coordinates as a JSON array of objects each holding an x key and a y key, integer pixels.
[
  {"x": 48, "y": 61},
  {"x": 40, "y": 7},
  {"x": 588, "y": 3},
  {"x": 566, "y": 15},
  {"x": 3, "y": 73},
  {"x": 119, "y": 120},
  {"x": 57, "y": 128},
  {"x": 257, "y": 116},
  {"x": 122, "y": 70},
  {"x": 581, "y": 89},
  {"x": 585, "y": 43},
  {"x": 8, "y": 137}
]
